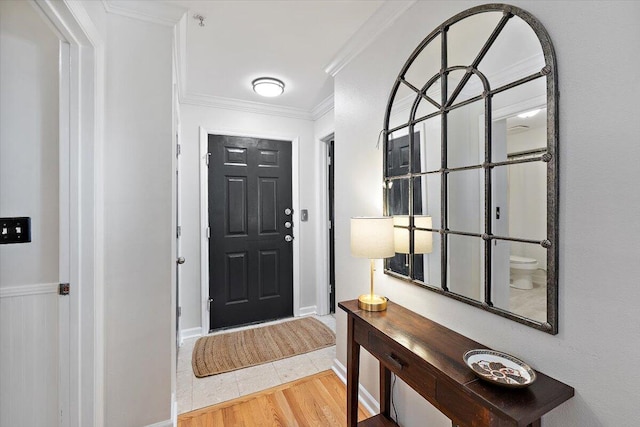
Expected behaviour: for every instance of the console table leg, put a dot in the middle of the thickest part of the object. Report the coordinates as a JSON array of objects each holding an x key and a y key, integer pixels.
[
  {"x": 353, "y": 370},
  {"x": 385, "y": 391}
]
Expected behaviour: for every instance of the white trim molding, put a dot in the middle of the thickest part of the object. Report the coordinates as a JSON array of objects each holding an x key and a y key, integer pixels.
[
  {"x": 323, "y": 107},
  {"x": 162, "y": 13},
  {"x": 322, "y": 229},
  {"x": 186, "y": 334},
  {"x": 307, "y": 311},
  {"x": 25, "y": 290},
  {"x": 364, "y": 397},
  {"x": 204, "y": 100},
  {"x": 83, "y": 306},
  {"x": 165, "y": 423},
  {"x": 368, "y": 32}
]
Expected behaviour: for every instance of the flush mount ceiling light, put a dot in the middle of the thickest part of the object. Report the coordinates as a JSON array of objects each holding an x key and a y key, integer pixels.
[
  {"x": 529, "y": 114},
  {"x": 268, "y": 86}
]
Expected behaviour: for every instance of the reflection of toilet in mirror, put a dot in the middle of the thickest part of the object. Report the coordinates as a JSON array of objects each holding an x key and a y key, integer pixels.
[{"x": 522, "y": 269}]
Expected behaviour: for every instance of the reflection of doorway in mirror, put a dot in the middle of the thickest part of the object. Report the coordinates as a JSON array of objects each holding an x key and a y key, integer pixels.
[
  {"x": 518, "y": 196},
  {"x": 527, "y": 205}
]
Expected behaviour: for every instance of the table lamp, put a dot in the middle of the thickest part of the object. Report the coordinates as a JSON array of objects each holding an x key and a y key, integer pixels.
[{"x": 372, "y": 237}]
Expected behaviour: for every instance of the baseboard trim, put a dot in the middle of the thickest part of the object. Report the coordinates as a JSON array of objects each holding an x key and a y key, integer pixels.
[
  {"x": 165, "y": 423},
  {"x": 190, "y": 333},
  {"x": 24, "y": 290},
  {"x": 174, "y": 410},
  {"x": 308, "y": 311},
  {"x": 364, "y": 397}
]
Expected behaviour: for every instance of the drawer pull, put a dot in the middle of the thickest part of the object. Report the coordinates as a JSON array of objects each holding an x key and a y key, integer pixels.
[{"x": 394, "y": 361}]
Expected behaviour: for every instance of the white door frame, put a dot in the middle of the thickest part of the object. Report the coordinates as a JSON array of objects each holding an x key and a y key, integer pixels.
[
  {"x": 322, "y": 284},
  {"x": 539, "y": 101},
  {"x": 64, "y": 142},
  {"x": 204, "y": 216},
  {"x": 81, "y": 194}
]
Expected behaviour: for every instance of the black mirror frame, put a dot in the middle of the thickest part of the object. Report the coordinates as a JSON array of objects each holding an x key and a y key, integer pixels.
[{"x": 549, "y": 71}]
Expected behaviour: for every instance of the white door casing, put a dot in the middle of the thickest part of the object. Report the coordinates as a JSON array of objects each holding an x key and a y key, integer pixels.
[{"x": 81, "y": 265}]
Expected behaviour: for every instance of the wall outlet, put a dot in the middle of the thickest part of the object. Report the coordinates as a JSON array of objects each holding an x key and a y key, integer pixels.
[
  {"x": 304, "y": 215},
  {"x": 15, "y": 230}
]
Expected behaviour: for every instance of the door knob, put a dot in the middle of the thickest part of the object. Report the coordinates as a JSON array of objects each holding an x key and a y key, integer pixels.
[
  {"x": 288, "y": 238},
  {"x": 180, "y": 260},
  {"x": 287, "y": 224}
]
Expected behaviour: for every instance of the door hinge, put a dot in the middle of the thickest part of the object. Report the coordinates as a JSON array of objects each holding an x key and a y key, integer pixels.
[
  {"x": 208, "y": 157},
  {"x": 178, "y": 231},
  {"x": 330, "y": 225},
  {"x": 179, "y": 311},
  {"x": 209, "y": 301},
  {"x": 178, "y": 149},
  {"x": 208, "y": 232},
  {"x": 63, "y": 289},
  {"x": 330, "y": 289},
  {"x": 329, "y": 161}
]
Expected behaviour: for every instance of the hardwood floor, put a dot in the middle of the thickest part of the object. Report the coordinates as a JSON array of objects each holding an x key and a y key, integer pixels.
[{"x": 319, "y": 400}]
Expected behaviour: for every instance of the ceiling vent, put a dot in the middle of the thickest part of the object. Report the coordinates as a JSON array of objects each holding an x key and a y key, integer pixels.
[{"x": 517, "y": 129}]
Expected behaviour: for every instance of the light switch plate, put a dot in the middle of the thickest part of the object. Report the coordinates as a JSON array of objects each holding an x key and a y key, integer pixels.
[{"x": 15, "y": 230}]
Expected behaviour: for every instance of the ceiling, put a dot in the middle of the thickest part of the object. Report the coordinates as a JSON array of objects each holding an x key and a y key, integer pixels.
[{"x": 293, "y": 41}]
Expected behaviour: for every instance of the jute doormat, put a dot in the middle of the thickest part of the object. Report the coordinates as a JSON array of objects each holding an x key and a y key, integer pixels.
[{"x": 227, "y": 352}]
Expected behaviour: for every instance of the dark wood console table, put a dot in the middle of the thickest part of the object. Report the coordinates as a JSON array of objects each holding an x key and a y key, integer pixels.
[{"x": 428, "y": 357}]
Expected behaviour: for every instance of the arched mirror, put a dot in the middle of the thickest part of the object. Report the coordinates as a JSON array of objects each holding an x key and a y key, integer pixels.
[{"x": 471, "y": 165}]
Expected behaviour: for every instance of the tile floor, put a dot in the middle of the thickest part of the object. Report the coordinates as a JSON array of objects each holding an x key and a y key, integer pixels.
[
  {"x": 531, "y": 303},
  {"x": 194, "y": 393}
]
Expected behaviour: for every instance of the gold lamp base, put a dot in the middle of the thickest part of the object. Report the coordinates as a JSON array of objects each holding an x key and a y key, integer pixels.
[{"x": 370, "y": 302}]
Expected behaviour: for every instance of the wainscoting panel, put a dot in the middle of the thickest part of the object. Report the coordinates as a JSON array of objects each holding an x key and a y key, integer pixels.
[{"x": 29, "y": 355}]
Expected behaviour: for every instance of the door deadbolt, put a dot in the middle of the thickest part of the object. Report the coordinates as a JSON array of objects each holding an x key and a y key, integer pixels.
[
  {"x": 288, "y": 238},
  {"x": 287, "y": 224},
  {"x": 288, "y": 211}
]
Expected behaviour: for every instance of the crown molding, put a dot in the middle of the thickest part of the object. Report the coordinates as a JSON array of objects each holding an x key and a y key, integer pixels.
[
  {"x": 204, "y": 100},
  {"x": 367, "y": 33},
  {"x": 322, "y": 108},
  {"x": 156, "y": 12}
]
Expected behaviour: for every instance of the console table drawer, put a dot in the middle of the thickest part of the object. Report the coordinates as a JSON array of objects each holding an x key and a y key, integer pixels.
[
  {"x": 404, "y": 364},
  {"x": 463, "y": 410}
]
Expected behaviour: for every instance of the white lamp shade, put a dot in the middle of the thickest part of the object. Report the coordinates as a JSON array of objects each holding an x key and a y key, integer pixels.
[
  {"x": 423, "y": 243},
  {"x": 401, "y": 235},
  {"x": 423, "y": 240},
  {"x": 372, "y": 237}
]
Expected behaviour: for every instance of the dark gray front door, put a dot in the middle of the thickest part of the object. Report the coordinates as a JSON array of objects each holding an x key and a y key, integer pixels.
[
  {"x": 250, "y": 255},
  {"x": 397, "y": 165}
]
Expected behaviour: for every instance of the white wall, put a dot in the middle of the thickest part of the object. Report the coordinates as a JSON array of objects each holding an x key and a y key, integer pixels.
[
  {"x": 222, "y": 120},
  {"x": 29, "y": 142},
  {"x": 139, "y": 262},
  {"x": 599, "y": 158},
  {"x": 29, "y": 187},
  {"x": 528, "y": 196}
]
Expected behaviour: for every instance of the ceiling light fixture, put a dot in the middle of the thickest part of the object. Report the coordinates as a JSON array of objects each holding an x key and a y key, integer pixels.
[
  {"x": 268, "y": 86},
  {"x": 529, "y": 114}
]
